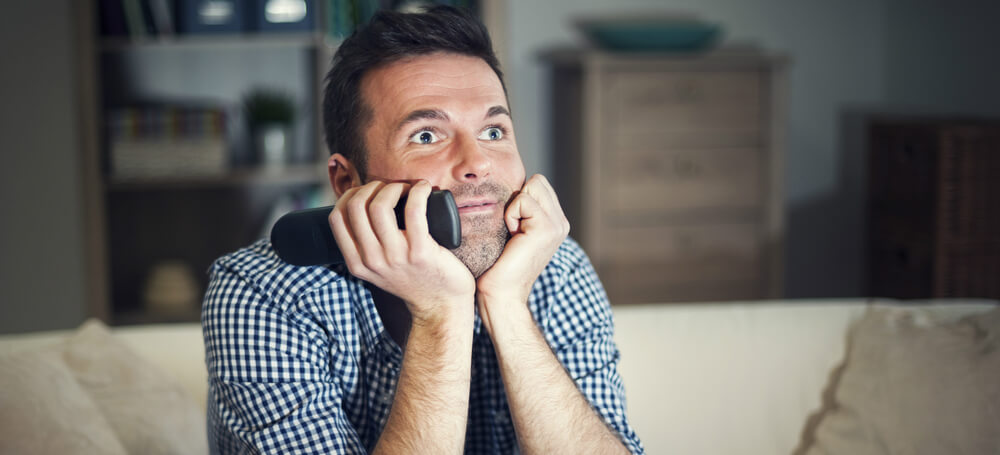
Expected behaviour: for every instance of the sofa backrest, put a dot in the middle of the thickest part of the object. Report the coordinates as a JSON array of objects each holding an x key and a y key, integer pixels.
[
  {"x": 176, "y": 349},
  {"x": 707, "y": 378},
  {"x": 736, "y": 377}
]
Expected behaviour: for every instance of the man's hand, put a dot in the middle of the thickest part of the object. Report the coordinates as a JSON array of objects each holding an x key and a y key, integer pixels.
[
  {"x": 431, "y": 405},
  {"x": 408, "y": 263},
  {"x": 533, "y": 377},
  {"x": 537, "y": 226}
]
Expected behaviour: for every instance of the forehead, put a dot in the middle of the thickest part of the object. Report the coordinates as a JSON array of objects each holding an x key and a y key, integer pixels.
[{"x": 439, "y": 80}]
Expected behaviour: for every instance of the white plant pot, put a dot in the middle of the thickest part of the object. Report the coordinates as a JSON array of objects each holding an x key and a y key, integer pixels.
[{"x": 272, "y": 144}]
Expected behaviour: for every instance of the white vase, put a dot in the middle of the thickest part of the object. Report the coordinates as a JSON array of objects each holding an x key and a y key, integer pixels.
[{"x": 272, "y": 143}]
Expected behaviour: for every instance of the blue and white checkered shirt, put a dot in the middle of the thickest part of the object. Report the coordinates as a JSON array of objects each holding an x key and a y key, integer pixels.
[{"x": 299, "y": 362}]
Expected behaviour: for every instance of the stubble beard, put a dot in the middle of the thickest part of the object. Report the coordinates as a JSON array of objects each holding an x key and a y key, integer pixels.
[{"x": 483, "y": 237}]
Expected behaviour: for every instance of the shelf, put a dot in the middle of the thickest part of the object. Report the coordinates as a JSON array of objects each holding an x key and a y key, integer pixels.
[
  {"x": 215, "y": 42},
  {"x": 287, "y": 175}
]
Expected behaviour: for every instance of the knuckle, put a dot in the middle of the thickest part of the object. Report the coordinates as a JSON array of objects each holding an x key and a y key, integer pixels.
[
  {"x": 374, "y": 263},
  {"x": 356, "y": 267},
  {"x": 380, "y": 204},
  {"x": 395, "y": 260},
  {"x": 420, "y": 255},
  {"x": 356, "y": 205},
  {"x": 386, "y": 192}
]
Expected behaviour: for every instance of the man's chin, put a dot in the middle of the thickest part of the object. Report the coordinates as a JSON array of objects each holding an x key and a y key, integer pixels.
[{"x": 480, "y": 251}]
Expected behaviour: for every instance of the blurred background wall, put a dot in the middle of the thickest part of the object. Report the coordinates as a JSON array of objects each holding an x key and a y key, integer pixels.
[
  {"x": 848, "y": 58},
  {"x": 41, "y": 220}
]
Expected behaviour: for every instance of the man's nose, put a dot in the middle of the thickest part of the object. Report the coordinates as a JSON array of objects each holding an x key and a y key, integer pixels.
[{"x": 473, "y": 161}]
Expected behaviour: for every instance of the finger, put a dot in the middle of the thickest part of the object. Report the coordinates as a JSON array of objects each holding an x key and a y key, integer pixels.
[
  {"x": 369, "y": 247},
  {"x": 553, "y": 197},
  {"x": 559, "y": 217},
  {"x": 383, "y": 218},
  {"x": 520, "y": 212},
  {"x": 342, "y": 234},
  {"x": 415, "y": 214},
  {"x": 538, "y": 187}
]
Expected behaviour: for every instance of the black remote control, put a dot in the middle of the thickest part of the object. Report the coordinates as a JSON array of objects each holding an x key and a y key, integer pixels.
[{"x": 303, "y": 237}]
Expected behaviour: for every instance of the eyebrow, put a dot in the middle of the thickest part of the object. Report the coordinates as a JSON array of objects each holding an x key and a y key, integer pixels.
[
  {"x": 497, "y": 110},
  {"x": 437, "y": 114},
  {"x": 422, "y": 114}
]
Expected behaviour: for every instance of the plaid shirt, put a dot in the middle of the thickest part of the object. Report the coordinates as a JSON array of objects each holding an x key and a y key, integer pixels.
[{"x": 299, "y": 362}]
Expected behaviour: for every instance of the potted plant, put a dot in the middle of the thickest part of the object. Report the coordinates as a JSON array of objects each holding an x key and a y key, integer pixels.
[{"x": 270, "y": 114}]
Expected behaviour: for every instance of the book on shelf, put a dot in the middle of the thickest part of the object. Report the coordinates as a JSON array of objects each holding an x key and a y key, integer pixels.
[
  {"x": 343, "y": 16},
  {"x": 111, "y": 17},
  {"x": 281, "y": 15},
  {"x": 167, "y": 140},
  {"x": 210, "y": 16},
  {"x": 161, "y": 14},
  {"x": 135, "y": 20}
]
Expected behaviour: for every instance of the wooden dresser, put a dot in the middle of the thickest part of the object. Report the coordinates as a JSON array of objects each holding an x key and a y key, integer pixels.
[{"x": 669, "y": 169}]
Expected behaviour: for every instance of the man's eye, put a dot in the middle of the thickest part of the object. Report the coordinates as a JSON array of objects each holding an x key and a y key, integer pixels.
[
  {"x": 493, "y": 133},
  {"x": 424, "y": 137}
]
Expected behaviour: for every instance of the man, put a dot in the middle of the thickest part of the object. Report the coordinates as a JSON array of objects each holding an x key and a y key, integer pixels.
[{"x": 502, "y": 345}]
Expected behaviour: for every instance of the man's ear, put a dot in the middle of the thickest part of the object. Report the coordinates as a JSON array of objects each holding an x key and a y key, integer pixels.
[{"x": 343, "y": 174}]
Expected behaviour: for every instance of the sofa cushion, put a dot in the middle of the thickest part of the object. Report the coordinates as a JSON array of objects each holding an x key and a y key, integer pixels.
[
  {"x": 751, "y": 371},
  {"x": 913, "y": 383},
  {"x": 44, "y": 410},
  {"x": 149, "y": 412}
]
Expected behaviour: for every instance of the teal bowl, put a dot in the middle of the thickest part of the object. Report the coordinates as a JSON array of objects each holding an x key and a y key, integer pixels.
[{"x": 652, "y": 36}]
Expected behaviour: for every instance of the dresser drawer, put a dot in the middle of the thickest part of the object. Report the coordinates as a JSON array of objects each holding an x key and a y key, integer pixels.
[
  {"x": 666, "y": 243},
  {"x": 683, "y": 262},
  {"x": 651, "y": 283},
  {"x": 647, "y": 180},
  {"x": 684, "y": 101}
]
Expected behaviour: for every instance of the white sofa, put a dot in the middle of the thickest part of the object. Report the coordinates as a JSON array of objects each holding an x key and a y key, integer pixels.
[{"x": 706, "y": 378}]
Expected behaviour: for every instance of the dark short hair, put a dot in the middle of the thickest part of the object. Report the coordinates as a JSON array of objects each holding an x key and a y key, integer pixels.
[{"x": 389, "y": 37}]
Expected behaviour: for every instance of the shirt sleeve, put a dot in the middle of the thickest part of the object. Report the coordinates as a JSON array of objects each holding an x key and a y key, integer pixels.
[
  {"x": 270, "y": 388},
  {"x": 580, "y": 329}
]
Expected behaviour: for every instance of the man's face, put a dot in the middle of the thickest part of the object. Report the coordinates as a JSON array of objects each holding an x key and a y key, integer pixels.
[{"x": 444, "y": 118}]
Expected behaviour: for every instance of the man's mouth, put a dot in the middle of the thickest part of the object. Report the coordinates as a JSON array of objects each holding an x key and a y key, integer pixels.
[{"x": 476, "y": 206}]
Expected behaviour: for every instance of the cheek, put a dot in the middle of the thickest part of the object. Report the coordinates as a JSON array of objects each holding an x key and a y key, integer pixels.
[{"x": 513, "y": 172}]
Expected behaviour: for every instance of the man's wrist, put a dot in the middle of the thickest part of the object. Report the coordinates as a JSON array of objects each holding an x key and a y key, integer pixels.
[
  {"x": 488, "y": 294},
  {"x": 444, "y": 316},
  {"x": 504, "y": 313}
]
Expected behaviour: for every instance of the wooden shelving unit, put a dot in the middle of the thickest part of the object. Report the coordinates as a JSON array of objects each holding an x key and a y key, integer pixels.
[
  {"x": 249, "y": 177},
  {"x": 137, "y": 222},
  {"x": 216, "y": 42},
  {"x": 134, "y": 223}
]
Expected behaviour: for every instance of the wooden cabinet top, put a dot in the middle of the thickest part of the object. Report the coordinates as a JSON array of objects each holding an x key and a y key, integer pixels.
[{"x": 727, "y": 58}]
